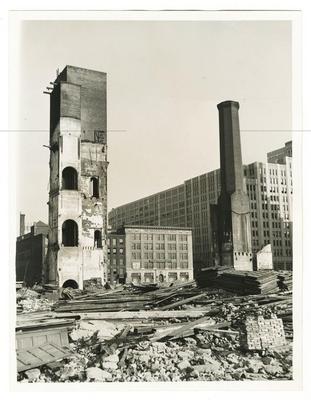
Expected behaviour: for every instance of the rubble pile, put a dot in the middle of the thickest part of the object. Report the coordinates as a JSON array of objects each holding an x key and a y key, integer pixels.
[
  {"x": 28, "y": 300},
  {"x": 177, "y": 333}
]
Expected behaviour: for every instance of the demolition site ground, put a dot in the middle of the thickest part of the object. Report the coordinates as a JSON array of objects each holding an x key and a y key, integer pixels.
[{"x": 144, "y": 333}]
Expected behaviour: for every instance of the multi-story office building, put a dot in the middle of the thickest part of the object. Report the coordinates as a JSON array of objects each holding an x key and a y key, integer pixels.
[
  {"x": 148, "y": 254},
  {"x": 269, "y": 187}
]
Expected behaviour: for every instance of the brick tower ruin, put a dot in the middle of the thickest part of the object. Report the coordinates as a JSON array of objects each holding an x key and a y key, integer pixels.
[{"x": 77, "y": 252}]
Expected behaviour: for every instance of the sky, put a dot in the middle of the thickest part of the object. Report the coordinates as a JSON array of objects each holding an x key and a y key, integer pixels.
[{"x": 165, "y": 79}]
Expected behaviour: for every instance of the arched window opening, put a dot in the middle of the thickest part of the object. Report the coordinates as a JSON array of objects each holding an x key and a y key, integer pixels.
[
  {"x": 69, "y": 179},
  {"x": 98, "y": 239},
  {"x": 71, "y": 284},
  {"x": 95, "y": 187},
  {"x": 70, "y": 233}
]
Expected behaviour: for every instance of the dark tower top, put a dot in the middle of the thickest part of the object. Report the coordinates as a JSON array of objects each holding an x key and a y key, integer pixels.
[
  {"x": 81, "y": 93},
  {"x": 230, "y": 147}
]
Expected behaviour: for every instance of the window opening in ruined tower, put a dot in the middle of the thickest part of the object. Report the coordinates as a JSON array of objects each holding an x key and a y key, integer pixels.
[
  {"x": 95, "y": 187},
  {"x": 71, "y": 284},
  {"x": 98, "y": 239},
  {"x": 70, "y": 233},
  {"x": 69, "y": 179}
]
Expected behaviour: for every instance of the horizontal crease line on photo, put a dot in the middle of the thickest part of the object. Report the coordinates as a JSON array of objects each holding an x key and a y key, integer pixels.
[
  {"x": 47, "y": 130},
  {"x": 124, "y": 130}
]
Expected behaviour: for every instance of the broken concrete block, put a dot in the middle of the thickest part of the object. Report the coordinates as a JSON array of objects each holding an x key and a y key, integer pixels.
[
  {"x": 155, "y": 366},
  {"x": 253, "y": 365},
  {"x": 109, "y": 365},
  {"x": 211, "y": 367},
  {"x": 267, "y": 360},
  {"x": 33, "y": 374},
  {"x": 144, "y": 358},
  {"x": 185, "y": 354},
  {"x": 97, "y": 374},
  {"x": 273, "y": 369},
  {"x": 183, "y": 365},
  {"x": 233, "y": 358},
  {"x": 112, "y": 358}
]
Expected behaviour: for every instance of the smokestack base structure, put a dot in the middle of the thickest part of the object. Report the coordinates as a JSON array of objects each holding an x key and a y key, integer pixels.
[{"x": 234, "y": 232}]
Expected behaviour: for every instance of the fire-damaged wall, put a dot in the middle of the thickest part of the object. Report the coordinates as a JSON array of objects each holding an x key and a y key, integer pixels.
[{"x": 77, "y": 250}]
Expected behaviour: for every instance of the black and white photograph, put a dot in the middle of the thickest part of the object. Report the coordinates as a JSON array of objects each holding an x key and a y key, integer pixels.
[{"x": 155, "y": 197}]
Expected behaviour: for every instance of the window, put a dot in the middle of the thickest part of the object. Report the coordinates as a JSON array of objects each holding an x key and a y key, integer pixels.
[
  {"x": 160, "y": 237},
  {"x": 98, "y": 239},
  {"x": 95, "y": 187},
  {"x": 70, "y": 233},
  {"x": 69, "y": 179}
]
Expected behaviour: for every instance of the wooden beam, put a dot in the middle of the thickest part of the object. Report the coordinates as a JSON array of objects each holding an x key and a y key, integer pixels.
[{"x": 182, "y": 302}]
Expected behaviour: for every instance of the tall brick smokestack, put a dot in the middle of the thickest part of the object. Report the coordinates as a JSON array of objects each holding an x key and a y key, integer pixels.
[
  {"x": 234, "y": 233},
  {"x": 21, "y": 224},
  {"x": 231, "y": 167}
]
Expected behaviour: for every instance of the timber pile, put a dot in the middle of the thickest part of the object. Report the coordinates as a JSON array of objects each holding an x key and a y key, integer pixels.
[
  {"x": 249, "y": 282},
  {"x": 285, "y": 280},
  {"x": 128, "y": 299},
  {"x": 208, "y": 276}
]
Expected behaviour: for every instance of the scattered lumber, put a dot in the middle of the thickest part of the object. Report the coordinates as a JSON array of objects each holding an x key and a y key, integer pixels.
[
  {"x": 142, "y": 315},
  {"x": 182, "y": 302},
  {"x": 249, "y": 282}
]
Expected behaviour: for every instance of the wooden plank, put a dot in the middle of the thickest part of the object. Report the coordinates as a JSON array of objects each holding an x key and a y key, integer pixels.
[
  {"x": 27, "y": 358},
  {"x": 189, "y": 325},
  {"x": 29, "y": 339},
  {"x": 39, "y": 324},
  {"x": 182, "y": 302},
  {"x": 151, "y": 314},
  {"x": 176, "y": 333},
  {"x": 35, "y": 357},
  {"x": 51, "y": 349}
]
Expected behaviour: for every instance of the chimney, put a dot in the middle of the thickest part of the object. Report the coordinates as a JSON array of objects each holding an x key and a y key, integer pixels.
[
  {"x": 234, "y": 228},
  {"x": 21, "y": 224},
  {"x": 230, "y": 147}
]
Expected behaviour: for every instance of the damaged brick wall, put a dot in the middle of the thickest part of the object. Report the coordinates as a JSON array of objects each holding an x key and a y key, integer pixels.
[{"x": 78, "y": 213}]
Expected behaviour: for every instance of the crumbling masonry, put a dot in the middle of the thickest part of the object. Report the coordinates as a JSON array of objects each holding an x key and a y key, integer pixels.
[{"x": 77, "y": 251}]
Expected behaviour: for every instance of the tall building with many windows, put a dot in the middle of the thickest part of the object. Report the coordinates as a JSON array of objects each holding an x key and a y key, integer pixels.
[{"x": 269, "y": 187}]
